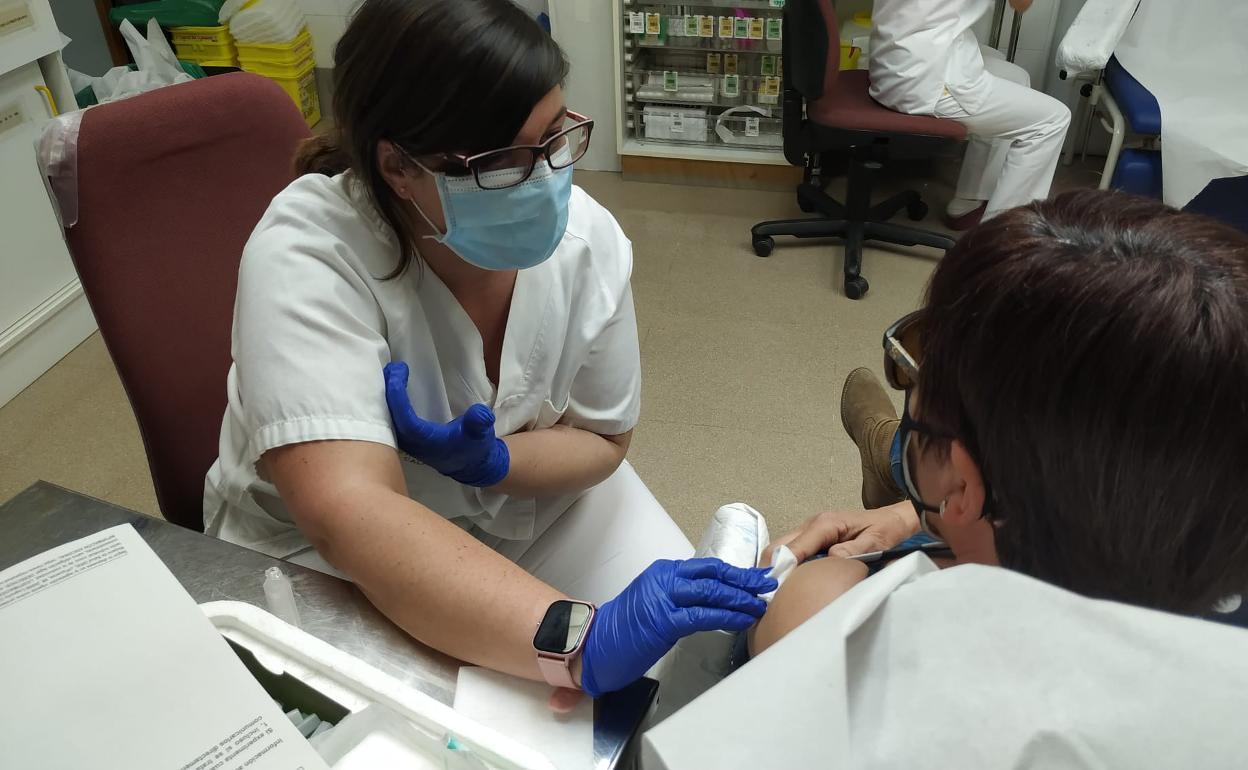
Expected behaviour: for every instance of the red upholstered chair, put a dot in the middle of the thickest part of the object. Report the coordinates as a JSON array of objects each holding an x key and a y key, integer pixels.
[
  {"x": 170, "y": 185},
  {"x": 841, "y": 116}
]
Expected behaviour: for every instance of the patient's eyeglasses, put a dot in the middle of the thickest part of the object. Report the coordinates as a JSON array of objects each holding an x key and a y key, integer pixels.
[
  {"x": 903, "y": 350},
  {"x": 902, "y": 353},
  {"x": 511, "y": 166}
]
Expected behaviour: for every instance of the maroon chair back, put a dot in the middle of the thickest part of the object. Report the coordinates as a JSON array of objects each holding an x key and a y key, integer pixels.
[{"x": 170, "y": 185}]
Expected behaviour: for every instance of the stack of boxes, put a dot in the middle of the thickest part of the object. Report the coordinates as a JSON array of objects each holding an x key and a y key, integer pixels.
[
  {"x": 290, "y": 65},
  {"x": 205, "y": 46}
]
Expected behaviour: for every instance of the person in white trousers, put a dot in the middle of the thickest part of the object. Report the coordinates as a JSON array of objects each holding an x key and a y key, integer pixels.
[{"x": 925, "y": 60}]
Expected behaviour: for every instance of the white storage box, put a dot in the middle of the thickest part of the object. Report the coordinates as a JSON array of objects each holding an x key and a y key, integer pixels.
[
  {"x": 290, "y": 663},
  {"x": 675, "y": 124}
]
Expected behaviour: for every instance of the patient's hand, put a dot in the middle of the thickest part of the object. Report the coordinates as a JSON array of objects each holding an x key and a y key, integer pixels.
[{"x": 810, "y": 588}]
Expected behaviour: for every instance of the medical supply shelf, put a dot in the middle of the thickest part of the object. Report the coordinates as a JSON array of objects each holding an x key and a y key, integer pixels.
[{"x": 700, "y": 81}]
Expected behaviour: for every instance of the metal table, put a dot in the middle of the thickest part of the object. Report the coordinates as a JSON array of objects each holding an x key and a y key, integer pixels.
[{"x": 45, "y": 516}]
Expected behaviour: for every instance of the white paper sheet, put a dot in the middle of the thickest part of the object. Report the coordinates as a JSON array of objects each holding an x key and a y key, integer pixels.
[
  {"x": 105, "y": 661},
  {"x": 518, "y": 709}
]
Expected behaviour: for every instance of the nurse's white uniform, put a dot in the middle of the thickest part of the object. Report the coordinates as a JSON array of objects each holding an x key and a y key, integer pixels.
[
  {"x": 925, "y": 60},
  {"x": 315, "y": 321}
]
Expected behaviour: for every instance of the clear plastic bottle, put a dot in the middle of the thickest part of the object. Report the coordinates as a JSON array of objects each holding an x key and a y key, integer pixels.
[{"x": 280, "y": 596}]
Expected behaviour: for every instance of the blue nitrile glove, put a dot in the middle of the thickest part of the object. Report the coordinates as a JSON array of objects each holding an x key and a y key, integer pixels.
[
  {"x": 668, "y": 601},
  {"x": 464, "y": 449}
]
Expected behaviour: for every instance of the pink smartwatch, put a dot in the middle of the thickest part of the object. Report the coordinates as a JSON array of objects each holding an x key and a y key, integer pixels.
[{"x": 559, "y": 639}]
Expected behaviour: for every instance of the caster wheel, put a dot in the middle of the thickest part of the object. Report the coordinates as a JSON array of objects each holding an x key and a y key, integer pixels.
[
  {"x": 916, "y": 211},
  {"x": 805, "y": 206},
  {"x": 764, "y": 245},
  {"x": 856, "y": 288}
]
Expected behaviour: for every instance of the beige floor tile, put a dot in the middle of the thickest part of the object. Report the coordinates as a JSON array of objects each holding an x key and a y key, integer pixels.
[
  {"x": 693, "y": 470},
  {"x": 74, "y": 427},
  {"x": 751, "y": 375}
]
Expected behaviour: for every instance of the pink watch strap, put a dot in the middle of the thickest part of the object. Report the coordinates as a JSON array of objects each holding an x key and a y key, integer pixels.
[{"x": 557, "y": 669}]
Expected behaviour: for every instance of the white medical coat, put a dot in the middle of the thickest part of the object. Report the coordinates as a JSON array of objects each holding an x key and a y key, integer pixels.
[
  {"x": 972, "y": 667},
  {"x": 920, "y": 48},
  {"x": 314, "y": 323}
]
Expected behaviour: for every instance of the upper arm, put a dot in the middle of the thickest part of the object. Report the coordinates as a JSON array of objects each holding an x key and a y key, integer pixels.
[
  {"x": 322, "y": 481},
  {"x": 811, "y": 587}
]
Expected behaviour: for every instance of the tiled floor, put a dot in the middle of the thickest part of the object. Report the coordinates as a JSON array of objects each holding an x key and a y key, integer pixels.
[{"x": 743, "y": 360}]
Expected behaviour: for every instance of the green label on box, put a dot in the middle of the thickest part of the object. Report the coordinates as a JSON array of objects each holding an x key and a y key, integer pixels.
[
  {"x": 712, "y": 63},
  {"x": 776, "y": 3},
  {"x": 769, "y": 65},
  {"x": 732, "y": 85},
  {"x": 691, "y": 26},
  {"x": 670, "y": 81},
  {"x": 741, "y": 27},
  {"x": 773, "y": 29}
]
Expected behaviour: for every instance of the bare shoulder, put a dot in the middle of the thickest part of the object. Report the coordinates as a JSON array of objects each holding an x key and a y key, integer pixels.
[{"x": 810, "y": 588}]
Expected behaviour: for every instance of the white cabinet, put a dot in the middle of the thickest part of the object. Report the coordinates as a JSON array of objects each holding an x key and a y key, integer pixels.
[
  {"x": 699, "y": 81},
  {"x": 43, "y": 314}
]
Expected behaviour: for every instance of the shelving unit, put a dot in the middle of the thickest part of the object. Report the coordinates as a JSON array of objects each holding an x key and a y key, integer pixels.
[{"x": 699, "y": 81}]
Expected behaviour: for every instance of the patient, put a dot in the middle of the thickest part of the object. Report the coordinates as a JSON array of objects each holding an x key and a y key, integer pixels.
[{"x": 1076, "y": 391}]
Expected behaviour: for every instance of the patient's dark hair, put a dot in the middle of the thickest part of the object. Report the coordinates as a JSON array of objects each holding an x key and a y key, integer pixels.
[
  {"x": 1091, "y": 352},
  {"x": 433, "y": 76}
]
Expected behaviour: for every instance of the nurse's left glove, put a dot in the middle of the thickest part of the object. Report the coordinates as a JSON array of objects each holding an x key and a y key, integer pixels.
[
  {"x": 668, "y": 601},
  {"x": 465, "y": 449}
]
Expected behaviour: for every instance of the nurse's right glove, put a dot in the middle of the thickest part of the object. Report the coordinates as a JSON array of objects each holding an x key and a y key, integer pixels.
[
  {"x": 668, "y": 601},
  {"x": 465, "y": 449}
]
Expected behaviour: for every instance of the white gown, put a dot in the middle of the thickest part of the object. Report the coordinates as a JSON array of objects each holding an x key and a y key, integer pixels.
[{"x": 315, "y": 323}]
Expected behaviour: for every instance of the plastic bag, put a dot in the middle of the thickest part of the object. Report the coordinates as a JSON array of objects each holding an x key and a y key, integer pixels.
[
  {"x": 156, "y": 66},
  {"x": 262, "y": 21}
]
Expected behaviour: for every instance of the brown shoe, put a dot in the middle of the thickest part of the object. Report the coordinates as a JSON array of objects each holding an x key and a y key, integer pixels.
[
  {"x": 968, "y": 220},
  {"x": 869, "y": 418}
]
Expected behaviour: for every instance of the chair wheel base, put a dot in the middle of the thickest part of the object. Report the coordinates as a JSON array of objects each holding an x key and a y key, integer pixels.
[
  {"x": 763, "y": 245},
  {"x": 856, "y": 287}
]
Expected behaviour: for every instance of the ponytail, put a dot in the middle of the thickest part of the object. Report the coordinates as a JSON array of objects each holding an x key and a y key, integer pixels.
[{"x": 322, "y": 154}]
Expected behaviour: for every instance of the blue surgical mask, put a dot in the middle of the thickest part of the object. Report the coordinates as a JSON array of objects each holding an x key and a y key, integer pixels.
[{"x": 509, "y": 229}]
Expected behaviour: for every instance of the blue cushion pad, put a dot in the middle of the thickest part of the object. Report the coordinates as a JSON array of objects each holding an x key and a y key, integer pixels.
[{"x": 1138, "y": 106}]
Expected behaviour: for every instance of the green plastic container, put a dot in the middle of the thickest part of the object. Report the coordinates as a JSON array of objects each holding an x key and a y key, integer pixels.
[{"x": 170, "y": 13}]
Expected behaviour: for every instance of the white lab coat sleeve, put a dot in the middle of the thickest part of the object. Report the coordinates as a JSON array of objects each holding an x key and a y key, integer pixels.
[
  {"x": 605, "y": 396},
  {"x": 308, "y": 338}
]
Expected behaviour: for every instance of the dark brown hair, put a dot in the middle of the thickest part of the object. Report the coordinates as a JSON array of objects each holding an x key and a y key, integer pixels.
[
  {"x": 432, "y": 76},
  {"x": 1091, "y": 352}
]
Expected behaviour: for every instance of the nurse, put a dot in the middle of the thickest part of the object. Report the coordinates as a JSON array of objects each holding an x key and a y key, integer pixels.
[
  {"x": 925, "y": 60},
  {"x": 437, "y": 235}
]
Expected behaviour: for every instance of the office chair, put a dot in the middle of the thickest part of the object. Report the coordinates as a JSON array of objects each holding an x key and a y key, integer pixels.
[
  {"x": 828, "y": 111},
  {"x": 170, "y": 185}
]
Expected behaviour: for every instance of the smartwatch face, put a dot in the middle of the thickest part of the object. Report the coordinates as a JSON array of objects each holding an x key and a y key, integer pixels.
[{"x": 562, "y": 628}]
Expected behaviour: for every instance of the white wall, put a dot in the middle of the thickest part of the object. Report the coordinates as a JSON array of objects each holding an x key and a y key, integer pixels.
[
  {"x": 584, "y": 30},
  {"x": 327, "y": 20}
]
